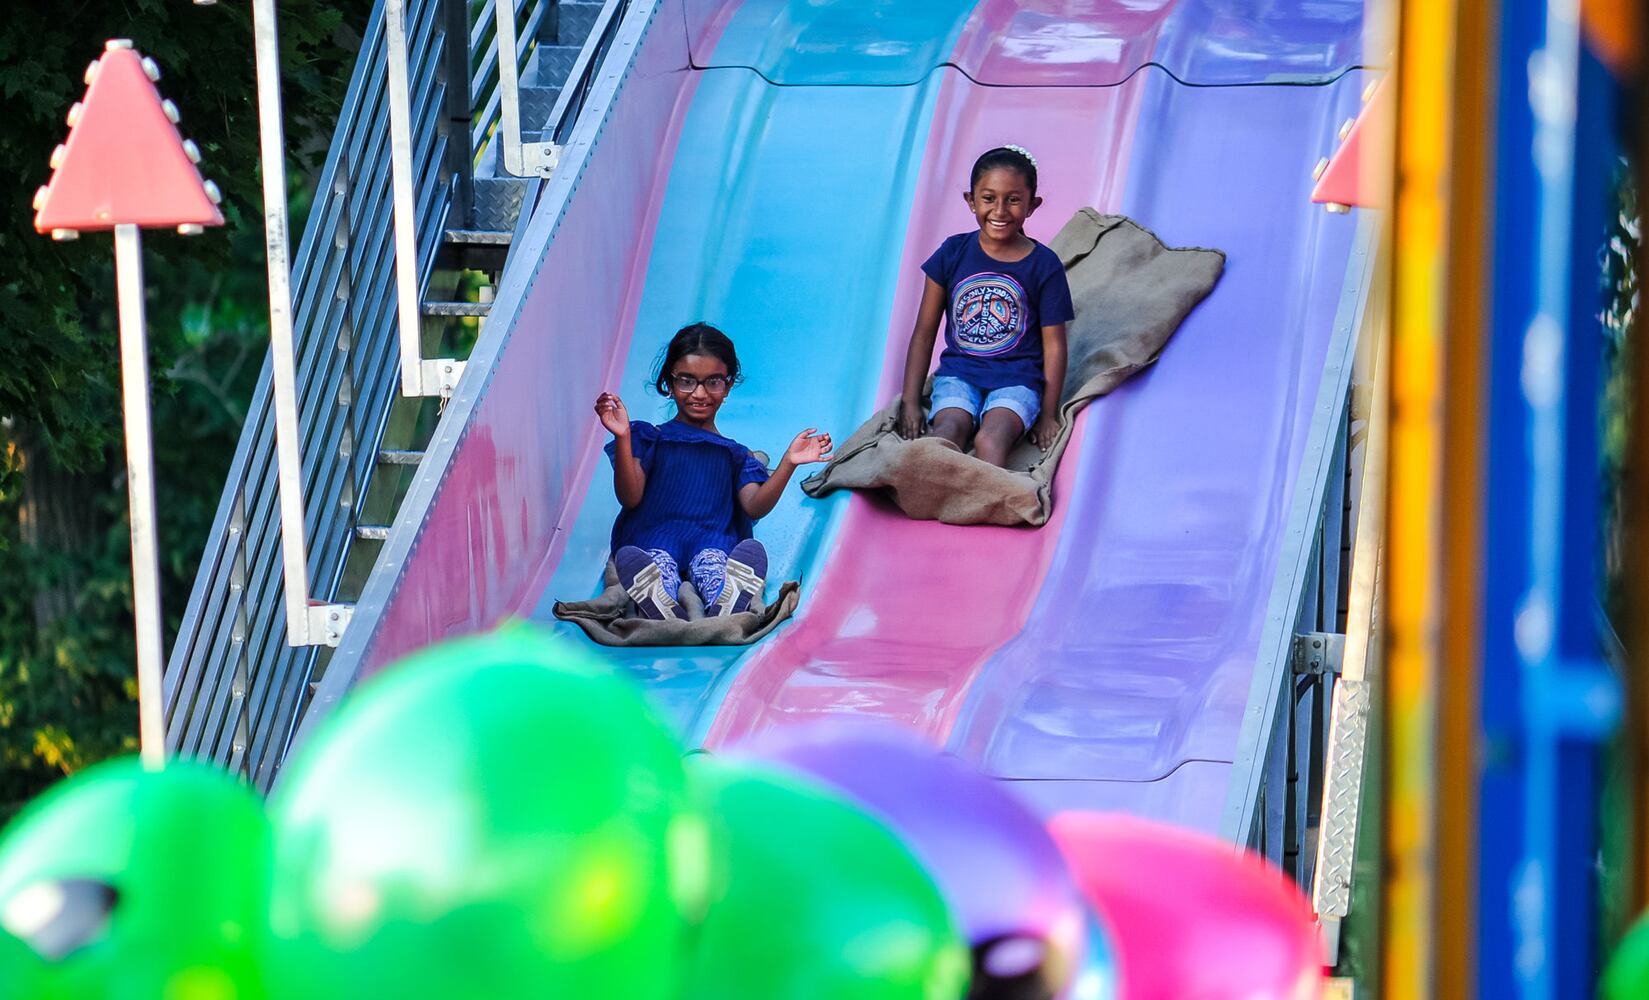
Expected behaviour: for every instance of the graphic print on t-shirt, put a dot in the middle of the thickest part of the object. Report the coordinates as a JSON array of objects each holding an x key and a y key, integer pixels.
[{"x": 988, "y": 314}]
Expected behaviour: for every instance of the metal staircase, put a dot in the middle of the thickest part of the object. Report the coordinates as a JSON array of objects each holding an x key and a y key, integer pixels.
[{"x": 234, "y": 689}]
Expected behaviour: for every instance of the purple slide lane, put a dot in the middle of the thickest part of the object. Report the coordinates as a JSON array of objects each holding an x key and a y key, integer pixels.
[
  {"x": 1127, "y": 686},
  {"x": 907, "y": 611}
]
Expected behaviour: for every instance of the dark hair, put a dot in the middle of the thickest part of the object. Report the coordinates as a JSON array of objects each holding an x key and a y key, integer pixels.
[
  {"x": 696, "y": 338},
  {"x": 1003, "y": 158}
]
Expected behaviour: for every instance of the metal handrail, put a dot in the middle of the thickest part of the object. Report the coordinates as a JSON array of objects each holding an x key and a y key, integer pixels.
[
  {"x": 546, "y": 203},
  {"x": 233, "y": 685},
  {"x": 1278, "y": 773},
  {"x": 306, "y": 622},
  {"x": 520, "y": 157},
  {"x": 485, "y": 89},
  {"x": 581, "y": 80},
  {"x": 1354, "y": 690},
  {"x": 420, "y": 376}
]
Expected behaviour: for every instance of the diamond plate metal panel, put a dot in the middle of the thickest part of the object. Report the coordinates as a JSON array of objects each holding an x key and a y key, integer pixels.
[
  {"x": 497, "y": 202},
  {"x": 1342, "y": 795}
]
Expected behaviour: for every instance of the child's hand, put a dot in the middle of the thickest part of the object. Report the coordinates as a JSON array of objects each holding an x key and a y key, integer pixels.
[
  {"x": 808, "y": 447},
  {"x": 913, "y": 423},
  {"x": 1045, "y": 431},
  {"x": 613, "y": 415}
]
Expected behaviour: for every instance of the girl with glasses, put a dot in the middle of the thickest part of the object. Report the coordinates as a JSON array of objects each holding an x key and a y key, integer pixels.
[{"x": 691, "y": 496}]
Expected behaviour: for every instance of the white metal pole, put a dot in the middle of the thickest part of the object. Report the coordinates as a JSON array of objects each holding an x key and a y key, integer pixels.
[
  {"x": 407, "y": 307},
  {"x": 140, "y": 487},
  {"x": 283, "y": 366},
  {"x": 523, "y": 159},
  {"x": 509, "y": 89}
]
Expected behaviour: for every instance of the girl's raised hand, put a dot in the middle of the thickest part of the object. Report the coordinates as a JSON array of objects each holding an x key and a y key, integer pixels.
[
  {"x": 610, "y": 409},
  {"x": 808, "y": 447}
]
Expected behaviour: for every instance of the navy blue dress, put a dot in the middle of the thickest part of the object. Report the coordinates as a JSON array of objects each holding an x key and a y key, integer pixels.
[{"x": 691, "y": 500}]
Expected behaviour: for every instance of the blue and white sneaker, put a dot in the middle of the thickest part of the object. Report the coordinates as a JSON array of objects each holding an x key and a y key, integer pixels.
[
  {"x": 644, "y": 582},
  {"x": 746, "y": 578}
]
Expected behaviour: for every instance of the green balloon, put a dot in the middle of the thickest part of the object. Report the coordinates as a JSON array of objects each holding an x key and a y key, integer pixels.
[
  {"x": 494, "y": 817},
  {"x": 812, "y": 899},
  {"x": 1627, "y": 975},
  {"x": 180, "y": 861},
  {"x": 22, "y": 972}
]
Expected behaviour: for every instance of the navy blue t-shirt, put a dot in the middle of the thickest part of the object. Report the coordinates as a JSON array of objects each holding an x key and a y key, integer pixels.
[
  {"x": 691, "y": 499},
  {"x": 995, "y": 311}
]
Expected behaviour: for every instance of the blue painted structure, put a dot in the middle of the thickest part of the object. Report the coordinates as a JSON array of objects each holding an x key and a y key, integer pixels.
[{"x": 1546, "y": 698}]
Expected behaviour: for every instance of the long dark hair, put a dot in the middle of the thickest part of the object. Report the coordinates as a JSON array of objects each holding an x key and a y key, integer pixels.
[
  {"x": 696, "y": 338},
  {"x": 1003, "y": 158}
]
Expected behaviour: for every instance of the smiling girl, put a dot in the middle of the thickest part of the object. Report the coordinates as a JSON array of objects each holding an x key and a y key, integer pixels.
[
  {"x": 1006, "y": 304},
  {"x": 690, "y": 495}
]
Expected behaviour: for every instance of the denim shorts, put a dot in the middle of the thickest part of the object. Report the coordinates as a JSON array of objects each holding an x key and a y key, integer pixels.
[{"x": 955, "y": 393}]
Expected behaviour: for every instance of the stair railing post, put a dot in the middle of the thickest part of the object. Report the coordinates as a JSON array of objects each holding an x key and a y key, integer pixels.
[
  {"x": 523, "y": 159},
  {"x": 420, "y": 376},
  {"x": 307, "y": 623}
]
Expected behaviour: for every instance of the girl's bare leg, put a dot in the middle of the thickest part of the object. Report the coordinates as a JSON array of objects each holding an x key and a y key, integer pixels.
[
  {"x": 953, "y": 425},
  {"x": 999, "y": 431}
]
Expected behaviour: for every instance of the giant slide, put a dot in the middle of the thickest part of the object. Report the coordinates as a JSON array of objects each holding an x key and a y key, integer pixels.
[{"x": 780, "y": 168}]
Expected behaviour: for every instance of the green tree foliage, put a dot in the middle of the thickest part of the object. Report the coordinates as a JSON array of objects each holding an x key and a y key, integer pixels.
[
  {"x": 66, "y": 678},
  {"x": 1619, "y": 259}
]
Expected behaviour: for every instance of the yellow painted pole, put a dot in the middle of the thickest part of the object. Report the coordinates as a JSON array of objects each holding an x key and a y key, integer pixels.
[
  {"x": 1464, "y": 291},
  {"x": 1425, "y": 46}
]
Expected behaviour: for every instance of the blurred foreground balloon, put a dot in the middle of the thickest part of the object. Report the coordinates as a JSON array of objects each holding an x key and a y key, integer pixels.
[
  {"x": 812, "y": 899},
  {"x": 22, "y": 973},
  {"x": 1627, "y": 975},
  {"x": 1098, "y": 978},
  {"x": 998, "y": 868},
  {"x": 1189, "y": 915},
  {"x": 494, "y": 817},
  {"x": 141, "y": 884}
]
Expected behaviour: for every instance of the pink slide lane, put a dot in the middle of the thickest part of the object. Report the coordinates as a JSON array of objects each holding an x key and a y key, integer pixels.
[{"x": 908, "y": 611}]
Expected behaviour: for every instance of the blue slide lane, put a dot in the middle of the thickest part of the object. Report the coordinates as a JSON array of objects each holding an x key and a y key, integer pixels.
[{"x": 783, "y": 223}]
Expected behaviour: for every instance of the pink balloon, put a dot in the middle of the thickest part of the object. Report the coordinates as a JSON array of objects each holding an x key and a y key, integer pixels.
[{"x": 1192, "y": 918}]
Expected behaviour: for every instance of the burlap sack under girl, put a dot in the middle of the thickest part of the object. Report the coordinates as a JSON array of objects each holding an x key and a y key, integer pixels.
[{"x": 1130, "y": 292}]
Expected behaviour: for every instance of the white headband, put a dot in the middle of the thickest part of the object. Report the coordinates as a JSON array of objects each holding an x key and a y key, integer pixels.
[{"x": 1021, "y": 150}]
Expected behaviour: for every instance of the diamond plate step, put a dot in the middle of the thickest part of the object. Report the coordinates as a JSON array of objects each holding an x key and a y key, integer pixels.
[
  {"x": 1342, "y": 797},
  {"x": 536, "y": 105},
  {"x": 574, "y": 19},
  {"x": 396, "y": 456},
  {"x": 478, "y": 237},
  {"x": 498, "y": 202},
  {"x": 372, "y": 532},
  {"x": 551, "y": 64},
  {"x": 475, "y": 249},
  {"x": 457, "y": 308}
]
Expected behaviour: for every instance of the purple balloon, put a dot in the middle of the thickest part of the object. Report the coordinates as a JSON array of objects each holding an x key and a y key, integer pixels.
[{"x": 990, "y": 855}]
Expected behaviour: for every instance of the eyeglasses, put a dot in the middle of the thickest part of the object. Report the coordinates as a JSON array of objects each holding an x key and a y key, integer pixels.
[{"x": 715, "y": 385}]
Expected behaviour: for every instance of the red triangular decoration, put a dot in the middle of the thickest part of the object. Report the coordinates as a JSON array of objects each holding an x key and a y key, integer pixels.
[
  {"x": 1341, "y": 181},
  {"x": 124, "y": 160}
]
